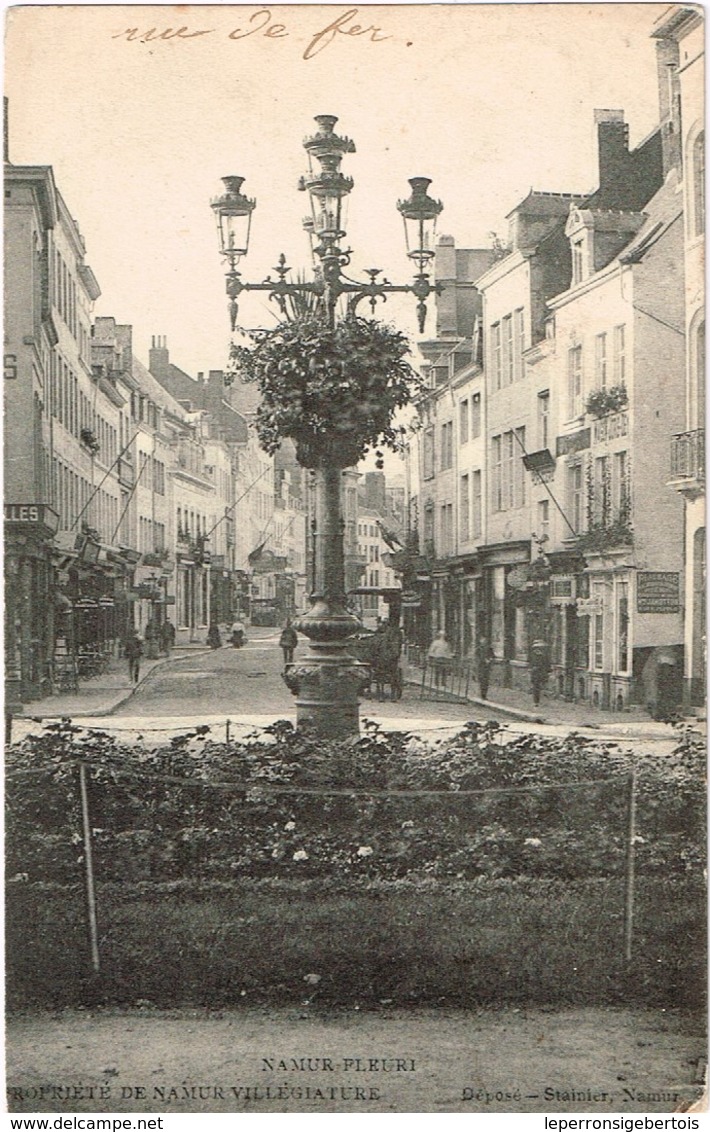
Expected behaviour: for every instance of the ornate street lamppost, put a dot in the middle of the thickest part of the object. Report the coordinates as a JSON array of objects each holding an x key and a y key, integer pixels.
[{"x": 327, "y": 680}]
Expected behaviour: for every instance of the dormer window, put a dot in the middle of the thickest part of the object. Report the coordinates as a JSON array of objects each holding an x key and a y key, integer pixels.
[{"x": 577, "y": 261}]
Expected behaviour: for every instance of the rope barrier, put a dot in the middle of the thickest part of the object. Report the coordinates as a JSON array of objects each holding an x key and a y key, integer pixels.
[{"x": 349, "y": 792}]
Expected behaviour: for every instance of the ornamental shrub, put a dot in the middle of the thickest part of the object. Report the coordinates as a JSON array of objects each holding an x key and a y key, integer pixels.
[{"x": 333, "y": 390}]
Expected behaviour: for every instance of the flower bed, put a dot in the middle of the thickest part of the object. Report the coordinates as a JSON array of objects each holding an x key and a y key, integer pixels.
[
  {"x": 382, "y": 868},
  {"x": 283, "y": 804}
]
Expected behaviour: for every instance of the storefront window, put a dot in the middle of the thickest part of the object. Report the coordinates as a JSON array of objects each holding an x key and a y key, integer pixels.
[
  {"x": 521, "y": 633},
  {"x": 622, "y": 598},
  {"x": 598, "y": 628},
  {"x": 557, "y": 635},
  {"x": 498, "y": 612}
]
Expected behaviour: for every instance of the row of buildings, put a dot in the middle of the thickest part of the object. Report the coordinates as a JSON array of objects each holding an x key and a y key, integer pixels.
[
  {"x": 135, "y": 496},
  {"x": 559, "y": 470}
]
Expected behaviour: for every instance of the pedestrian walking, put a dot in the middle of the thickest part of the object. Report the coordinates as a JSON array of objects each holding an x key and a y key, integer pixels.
[
  {"x": 288, "y": 641},
  {"x": 484, "y": 663},
  {"x": 152, "y": 639},
  {"x": 167, "y": 636},
  {"x": 539, "y": 663},
  {"x": 134, "y": 651},
  {"x": 440, "y": 656},
  {"x": 214, "y": 638}
]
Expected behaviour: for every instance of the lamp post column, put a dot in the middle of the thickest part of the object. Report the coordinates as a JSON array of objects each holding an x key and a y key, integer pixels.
[{"x": 327, "y": 680}]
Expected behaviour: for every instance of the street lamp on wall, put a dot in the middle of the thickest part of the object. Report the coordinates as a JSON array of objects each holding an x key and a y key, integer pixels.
[{"x": 327, "y": 679}]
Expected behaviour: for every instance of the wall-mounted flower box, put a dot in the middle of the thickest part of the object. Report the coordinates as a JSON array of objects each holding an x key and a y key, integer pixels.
[
  {"x": 89, "y": 440},
  {"x": 600, "y": 538},
  {"x": 602, "y": 402}
]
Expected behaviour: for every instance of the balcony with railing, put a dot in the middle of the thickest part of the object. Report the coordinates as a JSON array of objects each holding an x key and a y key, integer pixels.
[{"x": 688, "y": 461}]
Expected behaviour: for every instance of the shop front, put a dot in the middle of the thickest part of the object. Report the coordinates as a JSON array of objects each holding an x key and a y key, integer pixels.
[
  {"x": 567, "y": 626},
  {"x": 193, "y": 597},
  {"x": 29, "y": 600},
  {"x": 506, "y": 610}
]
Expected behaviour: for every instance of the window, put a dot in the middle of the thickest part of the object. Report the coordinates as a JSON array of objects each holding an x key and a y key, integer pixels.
[
  {"x": 519, "y": 330},
  {"x": 600, "y": 500},
  {"x": 598, "y": 628},
  {"x": 475, "y": 415},
  {"x": 519, "y": 468},
  {"x": 543, "y": 518},
  {"x": 699, "y": 184},
  {"x": 574, "y": 371},
  {"x": 428, "y": 525},
  {"x": 543, "y": 419},
  {"x": 447, "y": 445},
  {"x": 620, "y": 354},
  {"x": 496, "y": 367},
  {"x": 577, "y": 261},
  {"x": 508, "y": 469},
  {"x": 465, "y": 510},
  {"x": 600, "y": 360},
  {"x": 508, "y": 350},
  {"x": 477, "y": 505},
  {"x": 574, "y": 496},
  {"x": 463, "y": 422},
  {"x": 699, "y": 377},
  {"x": 621, "y": 485},
  {"x": 446, "y": 529},
  {"x": 497, "y": 473},
  {"x": 428, "y": 453},
  {"x": 622, "y": 626}
]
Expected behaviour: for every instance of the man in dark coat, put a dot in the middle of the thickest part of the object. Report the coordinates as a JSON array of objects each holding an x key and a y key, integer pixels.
[
  {"x": 484, "y": 661},
  {"x": 134, "y": 652},
  {"x": 539, "y": 663},
  {"x": 288, "y": 641}
]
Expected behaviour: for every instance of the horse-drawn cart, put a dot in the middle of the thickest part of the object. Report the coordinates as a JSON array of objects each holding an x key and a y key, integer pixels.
[{"x": 381, "y": 651}]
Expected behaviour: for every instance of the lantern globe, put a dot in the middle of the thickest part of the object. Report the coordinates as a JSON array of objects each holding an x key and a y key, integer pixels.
[{"x": 232, "y": 212}]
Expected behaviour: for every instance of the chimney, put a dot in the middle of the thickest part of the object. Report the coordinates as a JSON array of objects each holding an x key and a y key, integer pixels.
[
  {"x": 613, "y": 148},
  {"x": 159, "y": 357},
  {"x": 667, "y": 63}
]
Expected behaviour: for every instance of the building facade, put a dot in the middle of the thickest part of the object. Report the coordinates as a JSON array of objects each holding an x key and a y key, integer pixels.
[
  {"x": 543, "y": 511},
  {"x": 679, "y": 35}
]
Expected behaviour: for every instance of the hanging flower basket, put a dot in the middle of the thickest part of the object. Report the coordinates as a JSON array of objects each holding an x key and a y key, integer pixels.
[{"x": 333, "y": 390}]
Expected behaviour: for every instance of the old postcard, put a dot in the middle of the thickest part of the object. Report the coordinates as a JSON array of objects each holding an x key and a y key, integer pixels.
[{"x": 354, "y": 560}]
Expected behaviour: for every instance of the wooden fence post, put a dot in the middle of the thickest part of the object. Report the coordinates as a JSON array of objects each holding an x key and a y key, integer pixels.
[
  {"x": 89, "y": 870},
  {"x": 630, "y": 868}
]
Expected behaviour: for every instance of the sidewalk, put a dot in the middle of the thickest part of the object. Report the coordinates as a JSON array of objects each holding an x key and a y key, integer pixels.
[
  {"x": 101, "y": 695},
  {"x": 516, "y": 704}
]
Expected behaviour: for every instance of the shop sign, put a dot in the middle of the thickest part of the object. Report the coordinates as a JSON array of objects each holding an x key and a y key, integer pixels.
[
  {"x": 657, "y": 591},
  {"x": 563, "y": 589},
  {"x": 574, "y": 442},
  {"x": 588, "y": 606},
  {"x": 145, "y": 590},
  {"x": 31, "y": 514}
]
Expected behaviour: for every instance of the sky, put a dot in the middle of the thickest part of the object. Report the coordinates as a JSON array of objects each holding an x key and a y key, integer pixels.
[{"x": 487, "y": 100}]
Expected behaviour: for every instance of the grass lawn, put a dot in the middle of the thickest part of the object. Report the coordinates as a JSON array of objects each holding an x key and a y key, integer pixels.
[{"x": 413, "y": 942}]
